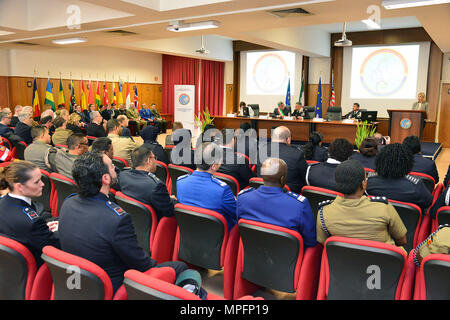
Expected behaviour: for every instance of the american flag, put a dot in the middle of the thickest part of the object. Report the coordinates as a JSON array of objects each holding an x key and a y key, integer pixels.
[{"x": 332, "y": 100}]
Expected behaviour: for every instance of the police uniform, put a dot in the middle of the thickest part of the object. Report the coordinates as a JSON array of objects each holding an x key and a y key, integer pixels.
[
  {"x": 100, "y": 231},
  {"x": 36, "y": 153},
  {"x": 354, "y": 115},
  {"x": 367, "y": 162},
  {"x": 442, "y": 201},
  {"x": 236, "y": 166},
  {"x": 265, "y": 205},
  {"x": 294, "y": 159},
  {"x": 424, "y": 165},
  {"x": 201, "y": 189},
  {"x": 299, "y": 113},
  {"x": 158, "y": 151},
  {"x": 322, "y": 174},
  {"x": 437, "y": 242},
  {"x": 369, "y": 219},
  {"x": 147, "y": 188},
  {"x": 20, "y": 221},
  {"x": 407, "y": 189}
]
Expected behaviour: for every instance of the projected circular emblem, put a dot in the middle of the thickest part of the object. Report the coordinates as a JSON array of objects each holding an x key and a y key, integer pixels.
[
  {"x": 270, "y": 73},
  {"x": 184, "y": 99},
  {"x": 405, "y": 123},
  {"x": 384, "y": 72}
]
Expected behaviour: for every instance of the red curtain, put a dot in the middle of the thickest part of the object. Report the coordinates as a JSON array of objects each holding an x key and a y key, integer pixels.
[
  {"x": 178, "y": 71},
  {"x": 212, "y": 86}
]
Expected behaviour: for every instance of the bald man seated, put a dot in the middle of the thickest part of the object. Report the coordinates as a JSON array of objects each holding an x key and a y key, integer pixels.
[
  {"x": 270, "y": 204},
  {"x": 280, "y": 147}
]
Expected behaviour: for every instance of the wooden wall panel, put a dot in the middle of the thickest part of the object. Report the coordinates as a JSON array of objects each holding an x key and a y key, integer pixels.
[
  {"x": 444, "y": 132},
  {"x": 4, "y": 92},
  {"x": 229, "y": 105},
  {"x": 434, "y": 80}
]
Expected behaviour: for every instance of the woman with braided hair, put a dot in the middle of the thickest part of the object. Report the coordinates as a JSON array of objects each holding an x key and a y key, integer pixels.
[{"x": 313, "y": 148}]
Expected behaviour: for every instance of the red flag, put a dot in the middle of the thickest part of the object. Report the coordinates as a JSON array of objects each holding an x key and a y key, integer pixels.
[
  {"x": 105, "y": 95},
  {"x": 91, "y": 93}
]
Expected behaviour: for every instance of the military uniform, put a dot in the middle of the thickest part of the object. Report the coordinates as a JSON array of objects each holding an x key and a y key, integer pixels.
[
  {"x": 20, "y": 221},
  {"x": 236, "y": 166},
  {"x": 201, "y": 189},
  {"x": 407, "y": 189},
  {"x": 60, "y": 136},
  {"x": 322, "y": 174},
  {"x": 158, "y": 151},
  {"x": 426, "y": 166},
  {"x": 147, "y": 188},
  {"x": 158, "y": 117},
  {"x": 372, "y": 219},
  {"x": 367, "y": 162},
  {"x": 36, "y": 153},
  {"x": 437, "y": 242},
  {"x": 133, "y": 115},
  {"x": 295, "y": 161},
  {"x": 353, "y": 115},
  {"x": 100, "y": 231},
  {"x": 64, "y": 163},
  {"x": 265, "y": 205},
  {"x": 123, "y": 147}
]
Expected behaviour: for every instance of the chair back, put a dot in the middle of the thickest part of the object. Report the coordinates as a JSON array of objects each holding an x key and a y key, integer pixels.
[
  {"x": 316, "y": 195},
  {"x": 143, "y": 217},
  {"x": 229, "y": 180},
  {"x": 411, "y": 216},
  {"x": 120, "y": 163},
  {"x": 17, "y": 270},
  {"x": 175, "y": 172},
  {"x": 334, "y": 113},
  {"x": 358, "y": 269},
  {"x": 91, "y": 139},
  {"x": 442, "y": 217},
  {"x": 75, "y": 278},
  {"x": 20, "y": 147},
  {"x": 434, "y": 277},
  {"x": 162, "y": 172},
  {"x": 168, "y": 149},
  {"x": 64, "y": 187},
  {"x": 277, "y": 264},
  {"x": 201, "y": 238}
]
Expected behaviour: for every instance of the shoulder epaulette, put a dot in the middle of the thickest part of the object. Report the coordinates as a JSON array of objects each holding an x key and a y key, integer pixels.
[
  {"x": 413, "y": 179},
  {"x": 325, "y": 203},
  {"x": 115, "y": 208},
  {"x": 371, "y": 174},
  {"x": 152, "y": 175},
  {"x": 31, "y": 214},
  {"x": 220, "y": 182},
  {"x": 245, "y": 191},
  {"x": 183, "y": 176},
  {"x": 70, "y": 196},
  {"x": 296, "y": 196},
  {"x": 379, "y": 199}
]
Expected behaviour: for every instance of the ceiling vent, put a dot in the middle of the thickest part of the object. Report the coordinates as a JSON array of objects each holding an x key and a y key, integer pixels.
[
  {"x": 289, "y": 13},
  {"x": 122, "y": 32}
]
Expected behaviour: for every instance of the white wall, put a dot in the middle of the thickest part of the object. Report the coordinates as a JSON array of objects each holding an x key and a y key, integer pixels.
[
  {"x": 143, "y": 66},
  {"x": 319, "y": 68},
  {"x": 4, "y": 65}
]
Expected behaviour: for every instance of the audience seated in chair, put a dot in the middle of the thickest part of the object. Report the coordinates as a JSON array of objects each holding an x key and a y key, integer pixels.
[
  {"x": 77, "y": 145},
  {"x": 421, "y": 164},
  {"x": 150, "y": 135},
  {"x": 123, "y": 146},
  {"x": 5, "y": 120},
  {"x": 367, "y": 153},
  {"x": 38, "y": 150},
  {"x": 23, "y": 127},
  {"x": 313, "y": 149},
  {"x": 61, "y": 132},
  {"x": 97, "y": 127}
]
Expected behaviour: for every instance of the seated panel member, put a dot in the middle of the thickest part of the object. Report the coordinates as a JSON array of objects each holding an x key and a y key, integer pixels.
[
  {"x": 391, "y": 179},
  {"x": 355, "y": 113},
  {"x": 233, "y": 164},
  {"x": 37, "y": 151},
  {"x": 421, "y": 164},
  {"x": 243, "y": 109},
  {"x": 322, "y": 174},
  {"x": 281, "y": 111},
  {"x": 265, "y": 203},
  {"x": 141, "y": 184},
  {"x": 97, "y": 229},
  {"x": 18, "y": 217},
  {"x": 162, "y": 123},
  {"x": 355, "y": 215},
  {"x": 202, "y": 190},
  {"x": 299, "y": 111}
]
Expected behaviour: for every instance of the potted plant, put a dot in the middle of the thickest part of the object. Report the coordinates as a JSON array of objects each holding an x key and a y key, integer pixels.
[
  {"x": 203, "y": 119},
  {"x": 364, "y": 130}
]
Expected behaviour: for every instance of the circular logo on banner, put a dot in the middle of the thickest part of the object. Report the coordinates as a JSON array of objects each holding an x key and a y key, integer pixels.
[
  {"x": 270, "y": 73},
  {"x": 405, "y": 123},
  {"x": 384, "y": 72},
  {"x": 184, "y": 99}
]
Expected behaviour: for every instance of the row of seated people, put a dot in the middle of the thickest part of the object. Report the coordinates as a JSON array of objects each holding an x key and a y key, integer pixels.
[{"x": 85, "y": 238}]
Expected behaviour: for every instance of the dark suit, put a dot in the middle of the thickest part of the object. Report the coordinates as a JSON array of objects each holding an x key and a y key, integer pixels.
[
  {"x": 367, "y": 162},
  {"x": 286, "y": 111},
  {"x": 236, "y": 166},
  {"x": 158, "y": 151},
  {"x": 5, "y": 131},
  {"x": 95, "y": 130},
  {"x": 427, "y": 166},
  {"x": 322, "y": 175},
  {"x": 294, "y": 159},
  {"x": 24, "y": 131},
  {"x": 14, "y": 121}
]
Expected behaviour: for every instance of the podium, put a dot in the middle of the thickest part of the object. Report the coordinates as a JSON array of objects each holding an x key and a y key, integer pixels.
[{"x": 403, "y": 123}]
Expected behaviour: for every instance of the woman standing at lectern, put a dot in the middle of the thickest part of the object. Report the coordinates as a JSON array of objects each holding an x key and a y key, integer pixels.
[{"x": 421, "y": 103}]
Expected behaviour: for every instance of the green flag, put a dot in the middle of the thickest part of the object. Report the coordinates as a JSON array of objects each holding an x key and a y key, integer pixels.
[{"x": 302, "y": 90}]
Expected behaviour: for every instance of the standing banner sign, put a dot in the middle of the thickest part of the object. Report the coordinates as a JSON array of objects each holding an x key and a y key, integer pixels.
[{"x": 185, "y": 106}]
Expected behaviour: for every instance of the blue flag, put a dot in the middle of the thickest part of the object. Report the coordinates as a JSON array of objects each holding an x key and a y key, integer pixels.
[
  {"x": 288, "y": 94},
  {"x": 319, "y": 100}
]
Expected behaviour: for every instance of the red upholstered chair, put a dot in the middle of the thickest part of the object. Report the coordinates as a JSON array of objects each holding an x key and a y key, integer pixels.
[
  {"x": 63, "y": 187},
  {"x": 433, "y": 280},
  {"x": 62, "y": 146},
  {"x": 230, "y": 181},
  {"x": 91, "y": 139},
  {"x": 144, "y": 286},
  {"x": 256, "y": 182},
  {"x": 94, "y": 283},
  {"x": 47, "y": 191},
  {"x": 17, "y": 270},
  {"x": 252, "y": 166},
  {"x": 177, "y": 171},
  {"x": 427, "y": 180},
  {"x": 316, "y": 195},
  {"x": 367, "y": 170},
  {"x": 162, "y": 172},
  {"x": 5, "y": 164},
  {"x": 119, "y": 162},
  {"x": 358, "y": 269},
  {"x": 311, "y": 161},
  {"x": 168, "y": 149},
  {"x": 20, "y": 150},
  {"x": 283, "y": 265},
  {"x": 5, "y": 142},
  {"x": 442, "y": 217}
]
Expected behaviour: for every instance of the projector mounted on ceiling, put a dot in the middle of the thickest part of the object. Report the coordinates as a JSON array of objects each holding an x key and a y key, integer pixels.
[
  {"x": 181, "y": 26},
  {"x": 343, "y": 42},
  {"x": 202, "y": 50}
]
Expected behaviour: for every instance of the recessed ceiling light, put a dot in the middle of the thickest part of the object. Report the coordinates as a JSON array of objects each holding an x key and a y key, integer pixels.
[
  {"x": 180, "y": 26},
  {"x": 69, "y": 40},
  {"x": 398, "y": 4}
]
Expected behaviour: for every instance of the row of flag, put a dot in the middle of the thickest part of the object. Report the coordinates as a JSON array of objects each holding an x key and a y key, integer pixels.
[
  {"x": 319, "y": 95},
  {"x": 87, "y": 96}
]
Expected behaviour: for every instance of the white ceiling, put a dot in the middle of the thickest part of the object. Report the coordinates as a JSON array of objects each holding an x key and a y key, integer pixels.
[{"x": 40, "y": 21}]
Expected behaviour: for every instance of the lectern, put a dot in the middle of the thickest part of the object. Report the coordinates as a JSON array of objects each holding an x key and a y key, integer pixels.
[{"x": 403, "y": 123}]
